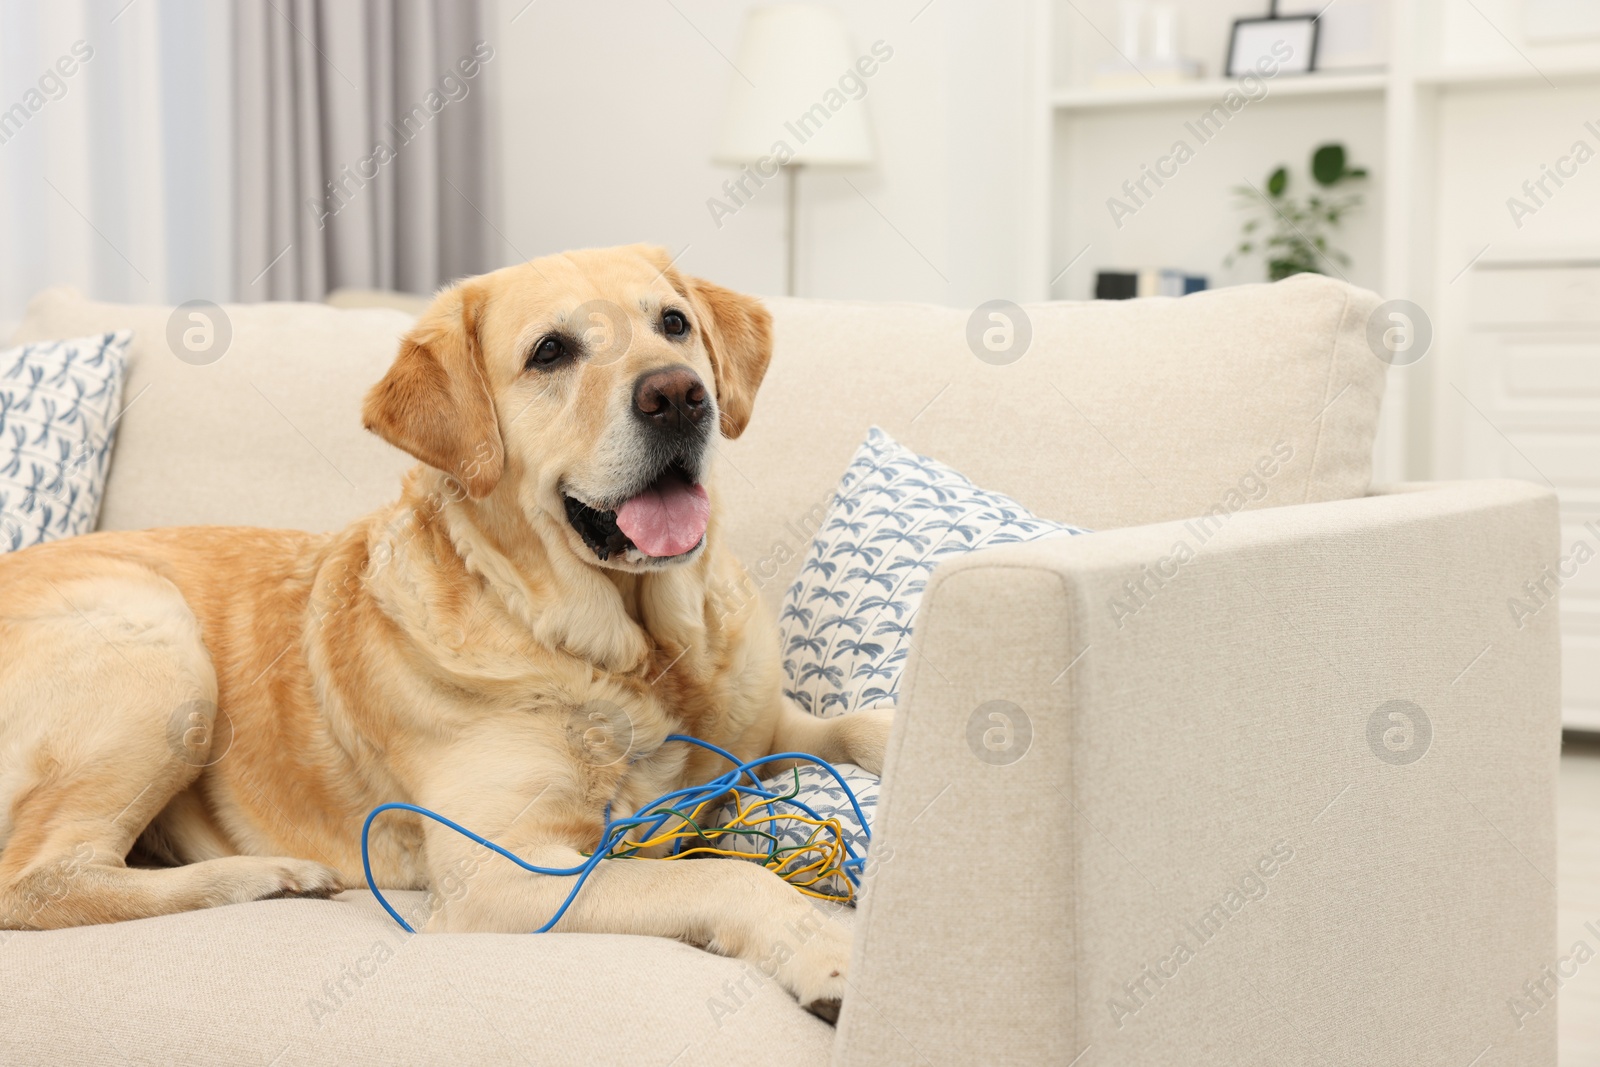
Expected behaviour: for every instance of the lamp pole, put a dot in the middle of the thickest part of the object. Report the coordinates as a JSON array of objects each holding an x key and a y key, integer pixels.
[
  {"x": 790, "y": 211},
  {"x": 789, "y": 52}
]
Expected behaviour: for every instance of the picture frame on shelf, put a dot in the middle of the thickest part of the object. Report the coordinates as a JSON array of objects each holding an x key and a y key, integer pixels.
[
  {"x": 1253, "y": 41},
  {"x": 1352, "y": 35}
]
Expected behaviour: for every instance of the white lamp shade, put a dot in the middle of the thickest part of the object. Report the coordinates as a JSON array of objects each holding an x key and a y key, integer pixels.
[{"x": 798, "y": 83}]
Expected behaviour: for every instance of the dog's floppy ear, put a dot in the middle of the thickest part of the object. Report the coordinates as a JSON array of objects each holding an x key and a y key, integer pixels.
[
  {"x": 435, "y": 402},
  {"x": 738, "y": 336}
]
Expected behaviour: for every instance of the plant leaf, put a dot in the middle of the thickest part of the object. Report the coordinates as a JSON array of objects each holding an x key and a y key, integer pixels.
[{"x": 1328, "y": 163}]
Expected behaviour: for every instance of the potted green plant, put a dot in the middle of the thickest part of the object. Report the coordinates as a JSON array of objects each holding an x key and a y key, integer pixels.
[{"x": 1294, "y": 234}]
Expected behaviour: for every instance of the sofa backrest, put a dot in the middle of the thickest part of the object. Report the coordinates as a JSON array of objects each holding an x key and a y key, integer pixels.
[
  {"x": 1117, "y": 413},
  {"x": 268, "y": 434}
]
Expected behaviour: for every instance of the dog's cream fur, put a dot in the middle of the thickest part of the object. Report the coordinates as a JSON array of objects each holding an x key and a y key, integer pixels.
[{"x": 232, "y": 702}]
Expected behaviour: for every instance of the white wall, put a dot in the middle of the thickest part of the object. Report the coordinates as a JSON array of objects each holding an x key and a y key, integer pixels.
[{"x": 610, "y": 112}]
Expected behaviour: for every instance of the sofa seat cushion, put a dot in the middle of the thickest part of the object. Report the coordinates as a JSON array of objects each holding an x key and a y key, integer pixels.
[{"x": 290, "y": 982}]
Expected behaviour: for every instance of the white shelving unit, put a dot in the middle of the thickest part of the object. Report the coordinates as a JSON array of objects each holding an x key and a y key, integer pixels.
[
  {"x": 1210, "y": 89},
  {"x": 1408, "y": 93},
  {"x": 1466, "y": 110},
  {"x": 1500, "y": 74}
]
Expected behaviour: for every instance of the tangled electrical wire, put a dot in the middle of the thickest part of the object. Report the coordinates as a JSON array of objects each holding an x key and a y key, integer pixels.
[{"x": 677, "y": 820}]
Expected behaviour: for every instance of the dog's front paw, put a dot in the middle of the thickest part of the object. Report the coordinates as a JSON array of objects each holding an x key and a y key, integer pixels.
[
  {"x": 241, "y": 879},
  {"x": 299, "y": 878},
  {"x": 867, "y": 737},
  {"x": 815, "y": 973}
]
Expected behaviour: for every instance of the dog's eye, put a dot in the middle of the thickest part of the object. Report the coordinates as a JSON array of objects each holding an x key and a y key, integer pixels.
[
  {"x": 547, "y": 353},
  {"x": 674, "y": 323}
]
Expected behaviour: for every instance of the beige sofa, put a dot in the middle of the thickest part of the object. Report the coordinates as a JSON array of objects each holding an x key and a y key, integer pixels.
[{"x": 1216, "y": 847}]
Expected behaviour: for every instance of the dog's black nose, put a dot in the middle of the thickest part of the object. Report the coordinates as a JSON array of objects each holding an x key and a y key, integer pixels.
[{"x": 673, "y": 398}]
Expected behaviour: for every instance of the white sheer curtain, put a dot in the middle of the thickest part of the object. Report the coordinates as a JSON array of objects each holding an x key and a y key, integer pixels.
[
  {"x": 115, "y": 151},
  {"x": 169, "y": 150}
]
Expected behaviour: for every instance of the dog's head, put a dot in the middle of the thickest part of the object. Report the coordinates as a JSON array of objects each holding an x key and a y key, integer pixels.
[{"x": 588, "y": 388}]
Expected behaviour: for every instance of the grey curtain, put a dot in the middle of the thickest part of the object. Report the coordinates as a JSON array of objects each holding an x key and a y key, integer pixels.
[{"x": 362, "y": 152}]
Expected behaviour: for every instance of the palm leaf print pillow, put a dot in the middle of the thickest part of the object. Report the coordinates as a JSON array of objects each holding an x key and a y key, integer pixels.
[
  {"x": 59, "y": 404},
  {"x": 846, "y": 623}
]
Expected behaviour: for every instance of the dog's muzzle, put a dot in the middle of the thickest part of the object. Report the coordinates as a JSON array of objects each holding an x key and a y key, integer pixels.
[{"x": 663, "y": 516}]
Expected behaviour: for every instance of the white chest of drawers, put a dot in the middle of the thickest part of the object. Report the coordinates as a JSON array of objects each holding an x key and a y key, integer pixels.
[{"x": 1532, "y": 369}]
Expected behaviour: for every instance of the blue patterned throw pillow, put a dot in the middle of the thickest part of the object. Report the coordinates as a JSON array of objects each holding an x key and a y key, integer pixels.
[
  {"x": 846, "y": 623},
  {"x": 59, "y": 404}
]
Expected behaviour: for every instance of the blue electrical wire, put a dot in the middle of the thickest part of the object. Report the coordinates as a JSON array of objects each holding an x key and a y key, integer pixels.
[{"x": 651, "y": 818}]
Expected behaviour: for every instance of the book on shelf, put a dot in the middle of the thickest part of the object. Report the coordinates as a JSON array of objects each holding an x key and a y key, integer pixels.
[{"x": 1125, "y": 285}]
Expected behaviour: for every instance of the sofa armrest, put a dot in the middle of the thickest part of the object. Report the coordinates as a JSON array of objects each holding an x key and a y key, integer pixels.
[{"x": 1148, "y": 795}]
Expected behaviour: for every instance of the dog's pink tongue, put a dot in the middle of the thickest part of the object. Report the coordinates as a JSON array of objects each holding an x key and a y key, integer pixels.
[{"x": 668, "y": 519}]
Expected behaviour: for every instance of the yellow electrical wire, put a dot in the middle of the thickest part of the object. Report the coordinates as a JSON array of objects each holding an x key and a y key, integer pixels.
[{"x": 824, "y": 844}]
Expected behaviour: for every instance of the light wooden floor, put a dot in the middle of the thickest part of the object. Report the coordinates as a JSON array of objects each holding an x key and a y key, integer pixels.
[{"x": 1579, "y": 883}]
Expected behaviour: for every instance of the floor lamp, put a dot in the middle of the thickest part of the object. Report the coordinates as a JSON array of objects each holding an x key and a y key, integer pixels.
[{"x": 796, "y": 100}]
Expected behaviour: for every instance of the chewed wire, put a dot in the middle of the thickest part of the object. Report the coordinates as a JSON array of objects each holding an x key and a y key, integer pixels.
[{"x": 831, "y": 855}]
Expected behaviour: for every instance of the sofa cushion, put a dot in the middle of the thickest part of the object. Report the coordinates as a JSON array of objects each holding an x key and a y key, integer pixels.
[
  {"x": 334, "y": 982},
  {"x": 249, "y": 414},
  {"x": 59, "y": 407},
  {"x": 1117, "y": 413},
  {"x": 410, "y": 303}
]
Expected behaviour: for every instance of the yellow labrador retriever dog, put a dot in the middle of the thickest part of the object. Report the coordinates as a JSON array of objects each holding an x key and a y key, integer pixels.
[{"x": 509, "y": 644}]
